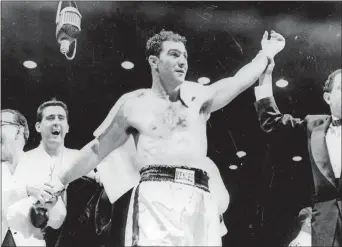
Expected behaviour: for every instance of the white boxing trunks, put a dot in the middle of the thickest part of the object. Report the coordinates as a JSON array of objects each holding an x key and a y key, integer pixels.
[{"x": 172, "y": 207}]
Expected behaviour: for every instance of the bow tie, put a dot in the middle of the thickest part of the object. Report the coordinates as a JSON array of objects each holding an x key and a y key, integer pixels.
[{"x": 336, "y": 122}]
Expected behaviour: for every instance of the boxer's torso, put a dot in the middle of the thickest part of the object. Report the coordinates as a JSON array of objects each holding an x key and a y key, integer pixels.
[{"x": 169, "y": 133}]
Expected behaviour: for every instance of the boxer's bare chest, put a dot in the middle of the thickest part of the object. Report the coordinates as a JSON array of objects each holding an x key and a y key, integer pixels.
[{"x": 161, "y": 117}]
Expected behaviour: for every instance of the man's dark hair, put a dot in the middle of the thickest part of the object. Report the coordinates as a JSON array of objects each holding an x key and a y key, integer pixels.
[
  {"x": 329, "y": 83},
  {"x": 155, "y": 44},
  {"x": 20, "y": 120},
  {"x": 52, "y": 102}
]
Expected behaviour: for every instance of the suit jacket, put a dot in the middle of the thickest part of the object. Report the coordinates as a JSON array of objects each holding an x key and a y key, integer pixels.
[
  {"x": 79, "y": 227},
  {"x": 326, "y": 194}
]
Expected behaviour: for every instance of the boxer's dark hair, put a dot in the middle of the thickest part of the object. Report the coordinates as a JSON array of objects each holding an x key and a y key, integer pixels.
[
  {"x": 52, "y": 102},
  {"x": 155, "y": 44},
  {"x": 20, "y": 120},
  {"x": 329, "y": 83}
]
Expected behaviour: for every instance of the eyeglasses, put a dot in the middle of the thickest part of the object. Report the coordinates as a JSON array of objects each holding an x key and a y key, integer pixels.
[{"x": 3, "y": 123}]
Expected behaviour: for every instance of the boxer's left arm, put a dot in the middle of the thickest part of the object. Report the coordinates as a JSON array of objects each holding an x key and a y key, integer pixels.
[{"x": 224, "y": 91}]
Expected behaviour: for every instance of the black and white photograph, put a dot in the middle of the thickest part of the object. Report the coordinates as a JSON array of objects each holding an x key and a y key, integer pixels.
[{"x": 171, "y": 123}]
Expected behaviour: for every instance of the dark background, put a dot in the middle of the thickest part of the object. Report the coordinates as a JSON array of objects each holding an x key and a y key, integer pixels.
[{"x": 269, "y": 189}]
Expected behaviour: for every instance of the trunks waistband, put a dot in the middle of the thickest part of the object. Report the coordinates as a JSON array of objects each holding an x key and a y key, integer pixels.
[{"x": 182, "y": 174}]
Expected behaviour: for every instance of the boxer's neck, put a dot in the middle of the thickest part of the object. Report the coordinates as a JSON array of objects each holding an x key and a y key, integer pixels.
[{"x": 162, "y": 88}]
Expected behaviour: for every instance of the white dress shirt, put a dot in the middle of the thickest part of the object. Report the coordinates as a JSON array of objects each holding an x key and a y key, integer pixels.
[
  {"x": 37, "y": 167},
  {"x": 333, "y": 135},
  {"x": 14, "y": 196},
  {"x": 333, "y": 139},
  {"x": 46, "y": 169}
]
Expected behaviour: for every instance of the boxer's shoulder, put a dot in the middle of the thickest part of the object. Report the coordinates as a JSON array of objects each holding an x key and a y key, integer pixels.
[
  {"x": 134, "y": 97},
  {"x": 140, "y": 98},
  {"x": 136, "y": 93}
]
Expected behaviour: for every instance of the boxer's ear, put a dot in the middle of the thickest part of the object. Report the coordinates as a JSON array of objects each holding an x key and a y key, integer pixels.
[
  {"x": 326, "y": 97},
  {"x": 37, "y": 127},
  {"x": 153, "y": 61}
]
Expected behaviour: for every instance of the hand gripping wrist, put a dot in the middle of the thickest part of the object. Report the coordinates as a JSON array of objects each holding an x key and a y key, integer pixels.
[
  {"x": 60, "y": 187},
  {"x": 268, "y": 54}
]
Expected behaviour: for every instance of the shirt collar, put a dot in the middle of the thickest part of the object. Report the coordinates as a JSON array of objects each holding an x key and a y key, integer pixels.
[
  {"x": 334, "y": 127},
  {"x": 334, "y": 118},
  {"x": 42, "y": 150},
  {"x": 4, "y": 165}
]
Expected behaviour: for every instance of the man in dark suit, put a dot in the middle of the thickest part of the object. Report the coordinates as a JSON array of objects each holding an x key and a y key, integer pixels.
[{"x": 321, "y": 221}]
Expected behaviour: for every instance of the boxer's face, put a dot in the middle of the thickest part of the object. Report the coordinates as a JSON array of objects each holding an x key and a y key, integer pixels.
[
  {"x": 172, "y": 63},
  {"x": 334, "y": 97},
  {"x": 54, "y": 125},
  {"x": 9, "y": 134}
]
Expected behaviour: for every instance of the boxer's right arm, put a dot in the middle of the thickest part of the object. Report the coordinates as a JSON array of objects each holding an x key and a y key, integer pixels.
[{"x": 113, "y": 136}]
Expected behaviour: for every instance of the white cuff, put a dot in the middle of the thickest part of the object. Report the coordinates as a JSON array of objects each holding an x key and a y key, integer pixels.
[{"x": 263, "y": 91}]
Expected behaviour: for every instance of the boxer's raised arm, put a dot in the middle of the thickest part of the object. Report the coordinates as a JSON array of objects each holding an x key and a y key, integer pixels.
[{"x": 225, "y": 90}]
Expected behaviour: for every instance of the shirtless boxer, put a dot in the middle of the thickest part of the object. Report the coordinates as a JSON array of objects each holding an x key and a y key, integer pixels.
[{"x": 172, "y": 204}]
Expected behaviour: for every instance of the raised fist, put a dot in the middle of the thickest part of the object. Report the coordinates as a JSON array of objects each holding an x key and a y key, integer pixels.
[{"x": 274, "y": 45}]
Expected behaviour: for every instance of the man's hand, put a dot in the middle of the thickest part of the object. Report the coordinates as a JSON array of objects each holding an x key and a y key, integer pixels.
[
  {"x": 42, "y": 192},
  {"x": 48, "y": 204},
  {"x": 303, "y": 239},
  {"x": 38, "y": 216},
  {"x": 56, "y": 187},
  {"x": 272, "y": 46}
]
